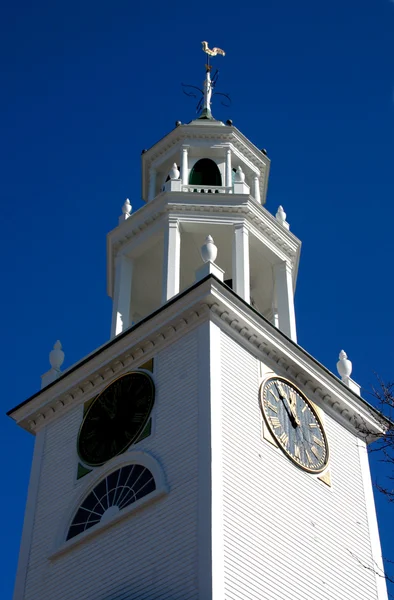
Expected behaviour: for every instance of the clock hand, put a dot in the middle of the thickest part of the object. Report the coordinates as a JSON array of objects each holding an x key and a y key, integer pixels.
[
  {"x": 292, "y": 421},
  {"x": 293, "y": 410},
  {"x": 293, "y": 415}
]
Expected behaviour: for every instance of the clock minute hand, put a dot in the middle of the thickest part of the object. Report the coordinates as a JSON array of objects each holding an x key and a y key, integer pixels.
[{"x": 284, "y": 396}]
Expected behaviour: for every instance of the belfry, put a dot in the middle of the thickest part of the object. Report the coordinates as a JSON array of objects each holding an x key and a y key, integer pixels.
[{"x": 201, "y": 453}]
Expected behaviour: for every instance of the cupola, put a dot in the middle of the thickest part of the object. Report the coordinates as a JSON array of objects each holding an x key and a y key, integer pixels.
[{"x": 204, "y": 178}]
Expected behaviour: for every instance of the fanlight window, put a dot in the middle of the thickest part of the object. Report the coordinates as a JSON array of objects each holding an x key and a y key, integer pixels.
[
  {"x": 205, "y": 172},
  {"x": 118, "y": 490}
]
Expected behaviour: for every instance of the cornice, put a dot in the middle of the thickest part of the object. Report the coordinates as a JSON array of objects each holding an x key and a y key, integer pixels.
[
  {"x": 87, "y": 380},
  {"x": 234, "y": 315},
  {"x": 183, "y": 205},
  {"x": 208, "y": 299},
  {"x": 187, "y": 133},
  {"x": 192, "y": 132}
]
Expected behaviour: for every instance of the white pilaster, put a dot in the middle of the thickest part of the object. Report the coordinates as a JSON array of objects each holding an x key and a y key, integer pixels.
[
  {"x": 284, "y": 299},
  {"x": 185, "y": 166},
  {"x": 171, "y": 260},
  {"x": 152, "y": 184},
  {"x": 229, "y": 174},
  {"x": 256, "y": 189},
  {"x": 241, "y": 266},
  {"x": 122, "y": 294},
  {"x": 377, "y": 562},
  {"x": 28, "y": 523},
  {"x": 275, "y": 317},
  {"x": 211, "y": 498}
]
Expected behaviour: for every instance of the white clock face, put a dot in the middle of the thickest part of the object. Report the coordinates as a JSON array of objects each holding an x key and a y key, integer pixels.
[{"x": 294, "y": 423}]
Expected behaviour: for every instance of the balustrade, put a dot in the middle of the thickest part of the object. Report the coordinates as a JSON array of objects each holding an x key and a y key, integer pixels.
[{"x": 207, "y": 189}]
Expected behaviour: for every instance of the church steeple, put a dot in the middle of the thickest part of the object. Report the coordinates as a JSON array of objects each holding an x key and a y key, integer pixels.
[
  {"x": 203, "y": 178},
  {"x": 164, "y": 460}
]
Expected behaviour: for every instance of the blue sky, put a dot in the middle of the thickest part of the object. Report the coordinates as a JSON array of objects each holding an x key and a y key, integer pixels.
[{"x": 87, "y": 85}]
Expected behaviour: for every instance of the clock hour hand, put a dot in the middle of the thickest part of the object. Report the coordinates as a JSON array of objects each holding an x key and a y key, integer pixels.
[{"x": 292, "y": 403}]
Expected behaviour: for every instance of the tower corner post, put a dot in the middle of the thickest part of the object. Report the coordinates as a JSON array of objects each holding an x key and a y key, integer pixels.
[
  {"x": 229, "y": 173},
  {"x": 121, "y": 308},
  {"x": 241, "y": 261},
  {"x": 152, "y": 184},
  {"x": 30, "y": 510},
  {"x": 211, "y": 551},
  {"x": 185, "y": 165},
  {"x": 172, "y": 260},
  {"x": 284, "y": 299}
]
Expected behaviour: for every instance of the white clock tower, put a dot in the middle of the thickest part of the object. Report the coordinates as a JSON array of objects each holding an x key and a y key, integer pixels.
[{"x": 200, "y": 454}]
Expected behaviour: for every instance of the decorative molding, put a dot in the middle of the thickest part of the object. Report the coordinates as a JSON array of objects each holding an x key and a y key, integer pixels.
[
  {"x": 189, "y": 134},
  {"x": 326, "y": 477},
  {"x": 187, "y": 208},
  {"x": 92, "y": 386},
  {"x": 208, "y": 299}
]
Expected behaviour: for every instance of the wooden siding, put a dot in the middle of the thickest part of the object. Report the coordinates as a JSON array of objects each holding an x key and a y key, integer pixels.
[
  {"x": 150, "y": 554},
  {"x": 286, "y": 534}
]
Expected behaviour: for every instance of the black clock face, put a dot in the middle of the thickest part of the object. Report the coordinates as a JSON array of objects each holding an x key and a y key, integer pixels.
[
  {"x": 294, "y": 423},
  {"x": 116, "y": 418}
]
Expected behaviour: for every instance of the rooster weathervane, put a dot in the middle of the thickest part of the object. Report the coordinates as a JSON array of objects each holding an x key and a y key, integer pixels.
[{"x": 209, "y": 84}]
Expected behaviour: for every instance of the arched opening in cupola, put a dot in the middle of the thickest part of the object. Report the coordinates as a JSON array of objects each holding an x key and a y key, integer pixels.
[{"x": 205, "y": 172}]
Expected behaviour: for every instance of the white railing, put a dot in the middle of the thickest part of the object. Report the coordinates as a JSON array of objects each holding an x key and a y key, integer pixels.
[{"x": 207, "y": 189}]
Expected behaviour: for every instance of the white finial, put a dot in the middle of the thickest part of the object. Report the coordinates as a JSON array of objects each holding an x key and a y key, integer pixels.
[
  {"x": 344, "y": 365},
  {"x": 56, "y": 356},
  {"x": 174, "y": 172},
  {"x": 281, "y": 217},
  {"x": 126, "y": 210},
  {"x": 239, "y": 176},
  {"x": 206, "y": 111},
  {"x": 209, "y": 251}
]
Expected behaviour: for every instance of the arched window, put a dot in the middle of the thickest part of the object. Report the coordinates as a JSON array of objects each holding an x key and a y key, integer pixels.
[
  {"x": 116, "y": 491},
  {"x": 205, "y": 172}
]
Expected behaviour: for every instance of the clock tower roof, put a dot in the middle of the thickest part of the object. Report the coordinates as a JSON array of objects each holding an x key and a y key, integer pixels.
[{"x": 208, "y": 299}]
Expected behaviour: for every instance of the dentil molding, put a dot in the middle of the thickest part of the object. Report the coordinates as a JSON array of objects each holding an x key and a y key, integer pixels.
[{"x": 209, "y": 299}]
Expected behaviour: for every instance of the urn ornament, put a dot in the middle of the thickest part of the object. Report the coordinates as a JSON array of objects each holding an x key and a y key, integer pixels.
[
  {"x": 174, "y": 172},
  {"x": 56, "y": 356},
  {"x": 209, "y": 251},
  {"x": 239, "y": 176},
  {"x": 344, "y": 365}
]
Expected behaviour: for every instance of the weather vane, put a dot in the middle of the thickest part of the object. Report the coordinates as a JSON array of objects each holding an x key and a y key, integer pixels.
[{"x": 209, "y": 84}]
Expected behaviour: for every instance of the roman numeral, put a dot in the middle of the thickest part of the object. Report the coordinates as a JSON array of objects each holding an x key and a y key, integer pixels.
[
  {"x": 280, "y": 387},
  {"x": 138, "y": 417},
  {"x": 284, "y": 438},
  {"x": 318, "y": 441},
  {"x": 308, "y": 457},
  {"x": 270, "y": 405},
  {"x": 313, "y": 425},
  {"x": 292, "y": 396},
  {"x": 275, "y": 422},
  {"x": 297, "y": 453},
  {"x": 304, "y": 409},
  {"x": 315, "y": 451}
]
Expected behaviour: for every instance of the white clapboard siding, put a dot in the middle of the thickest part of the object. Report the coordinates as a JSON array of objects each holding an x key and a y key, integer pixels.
[
  {"x": 287, "y": 536},
  {"x": 153, "y": 552}
]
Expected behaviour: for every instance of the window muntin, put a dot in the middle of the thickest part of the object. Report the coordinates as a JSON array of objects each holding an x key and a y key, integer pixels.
[{"x": 119, "y": 489}]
